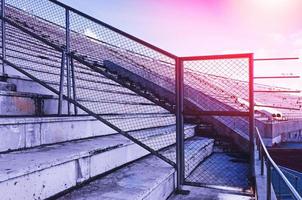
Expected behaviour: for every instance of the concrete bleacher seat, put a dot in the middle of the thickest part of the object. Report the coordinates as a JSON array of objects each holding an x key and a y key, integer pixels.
[
  {"x": 55, "y": 168},
  {"x": 157, "y": 182}
]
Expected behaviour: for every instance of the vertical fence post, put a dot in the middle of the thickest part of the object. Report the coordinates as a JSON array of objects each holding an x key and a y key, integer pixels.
[
  {"x": 3, "y": 30},
  {"x": 179, "y": 124},
  {"x": 251, "y": 114},
  {"x": 268, "y": 180},
  {"x": 67, "y": 26},
  {"x": 73, "y": 85},
  {"x": 262, "y": 161},
  {"x": 61, "y": 89}
]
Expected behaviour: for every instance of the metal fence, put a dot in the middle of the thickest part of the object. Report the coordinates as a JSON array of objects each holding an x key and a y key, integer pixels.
[
  {"x": 133, "y": 86},
  {"x": 213, "y": 88},
  {"x": 283, "y": 188},
  {"x": 61, "y": 48},
  {"x": 126, "y": 83}
]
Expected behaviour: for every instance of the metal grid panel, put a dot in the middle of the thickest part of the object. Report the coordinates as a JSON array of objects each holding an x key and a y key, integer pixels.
[
  {"x": 222, "y": 81},
  {"x": 281, "y": 190},
  {"x": 223, "y": 164},
  {"x": 42, "y": 9},
  {"x": 120, "y": 101},
  {"x": 96, "y": 44},
  {"x": 217, "y": 89}
]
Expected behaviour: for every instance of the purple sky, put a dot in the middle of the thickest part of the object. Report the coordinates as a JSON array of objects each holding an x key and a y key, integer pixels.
[{"x": 269, "y": 28}]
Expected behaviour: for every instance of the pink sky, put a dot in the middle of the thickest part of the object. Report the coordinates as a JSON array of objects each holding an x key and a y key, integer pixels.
[{"x": 269, "y": 28}]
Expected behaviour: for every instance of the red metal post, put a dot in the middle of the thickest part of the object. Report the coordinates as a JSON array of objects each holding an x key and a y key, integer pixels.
[{"x": 251, "y": 111}]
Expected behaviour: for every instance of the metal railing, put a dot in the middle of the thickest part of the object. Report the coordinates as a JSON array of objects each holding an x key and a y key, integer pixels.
[
  {"x": 117, "y": 46},
  {"x": 61, "y": 29},
  {"x": 271, "y": 166}
]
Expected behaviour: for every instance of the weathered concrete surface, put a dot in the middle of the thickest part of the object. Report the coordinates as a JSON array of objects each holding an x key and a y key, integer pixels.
[
  {"x": 17, "y": 103},
  {"x": 20, "y": 133},
  {"x": 198, "y": 193},
  {"x": 148, "y": 178},
  {"x": 280, "y": 131},
  {"x": 24, "y": 84},
  {"x": 197, "y": 149},
  {"x": 4, "y": 86},
  {"x": 42, "y": 172}
]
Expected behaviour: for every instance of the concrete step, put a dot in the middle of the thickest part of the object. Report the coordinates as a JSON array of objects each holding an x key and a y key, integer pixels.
[
  {"x": 22, "y": 133},
  {"x": 109, "y": 98},
  {"x": 42, "y": 172},
  {"x": 196, "y": 150},
  {"x": 148, "y": 178},
  {"x": 24, "y": 103},
  {"x": 20, "y": 103},
  {"x": 28, "y": 132},
  {"x": 25, "y": 84},
  {"x": 4, "y": 86}
]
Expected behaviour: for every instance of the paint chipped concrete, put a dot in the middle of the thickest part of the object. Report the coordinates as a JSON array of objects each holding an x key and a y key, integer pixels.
[
  {"x": 43, "y": 172},
  {"x": 60, "y": 167},
  {"x": 22, "y": 133},
  {"x": 149, "y": 178},
  {"x": 13, "y": 103},
  {"x": 4, "y": 86},
  {"x": 136, "y": 181}
]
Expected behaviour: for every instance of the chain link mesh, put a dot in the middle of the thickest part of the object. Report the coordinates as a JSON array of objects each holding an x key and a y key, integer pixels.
[
  {"x": 224, "y": 83},
  {"x": 115, "y": 78},
  {"x": 281, "y": 189},
  {"x": 219, "y": 84},
  {"x": 114, "y": 96}
]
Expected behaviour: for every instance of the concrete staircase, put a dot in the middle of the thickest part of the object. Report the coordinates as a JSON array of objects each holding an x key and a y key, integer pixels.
[
  {"x": 42, "y": 172},
  {"x": 157, "y": 181},
  {"x": 45, "y": 156}
]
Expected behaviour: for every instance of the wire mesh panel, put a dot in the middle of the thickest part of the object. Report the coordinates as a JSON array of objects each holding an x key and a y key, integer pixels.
[
  {"x": 29, "y": 14},
  {"x": 126, "y": 83},
  {"x": 133, "y": 65},
  {"x": 98, "y": 44},
  {"x": 42, "y": 9},
  {"x": 280, "y": 188},
  {"x": 217, "y": 92},
  {"x": 223, "y": 83}
]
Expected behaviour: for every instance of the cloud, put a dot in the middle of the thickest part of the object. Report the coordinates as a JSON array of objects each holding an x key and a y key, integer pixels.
[
  {"x": 88, "y": 32},
  {"x": 278, "y": 37},
  {"x": 296, "y": 38},
  {"x": 297, "y": 41}
]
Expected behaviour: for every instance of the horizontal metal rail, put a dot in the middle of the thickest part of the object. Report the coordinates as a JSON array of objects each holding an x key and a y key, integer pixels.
[
  {"x": 272, "y": 59},
  {"x": 215, "y": 57},
  {"x": 264, "y": 155},
  {"x": 218, "y": 113},
  {"x": 275, "y": 77},
  {"x": 277, "y": 107},
  {"x": 277, "y": 91}
]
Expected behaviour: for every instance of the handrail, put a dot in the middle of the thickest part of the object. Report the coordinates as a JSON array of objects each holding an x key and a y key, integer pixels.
[
  {"x": 155, "y": 48},
  {"x": 263, "y": 152}
]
